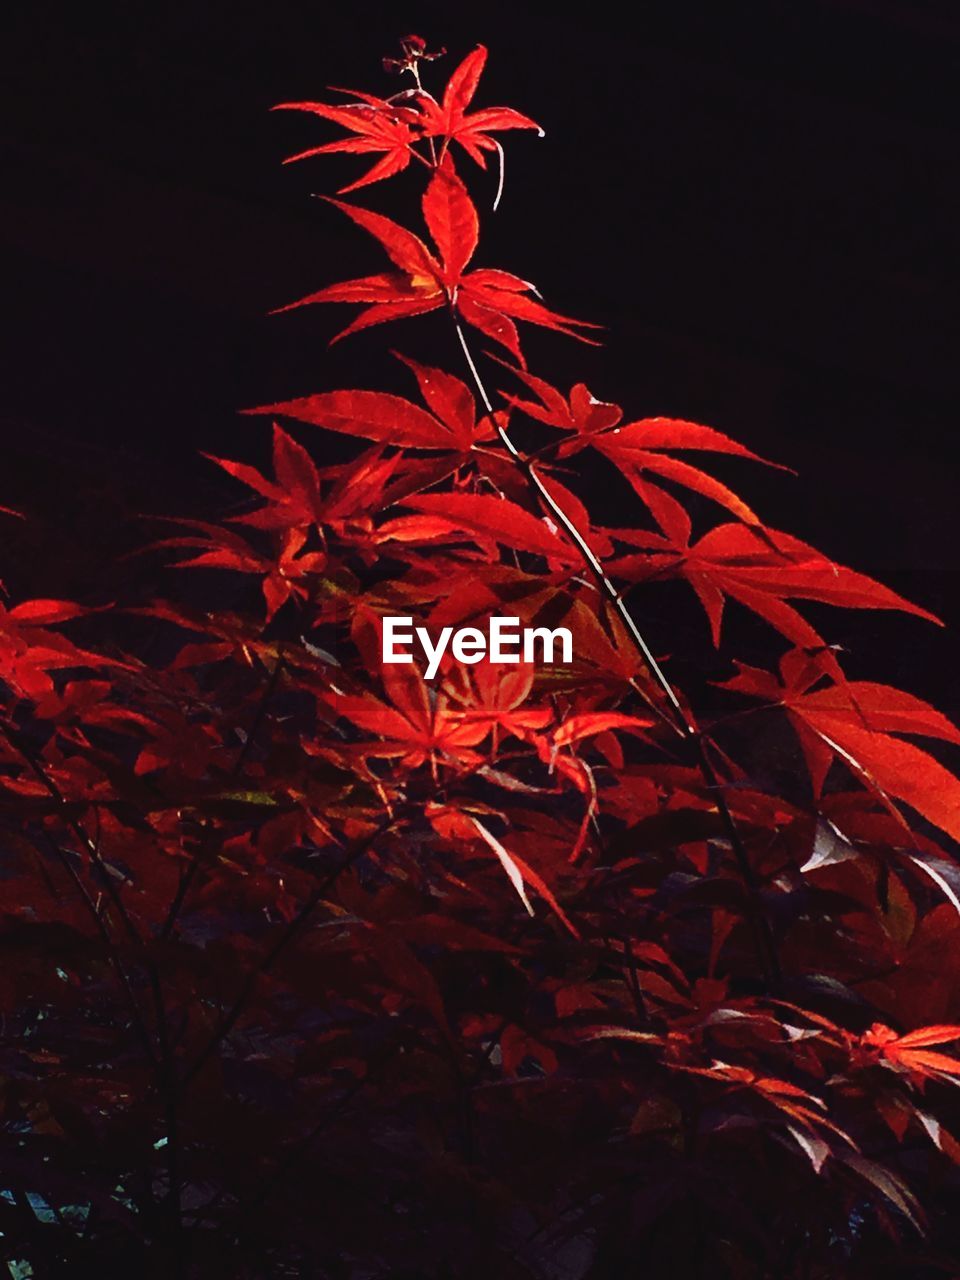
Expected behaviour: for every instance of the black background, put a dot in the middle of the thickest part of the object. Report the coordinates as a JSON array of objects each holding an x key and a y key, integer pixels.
[{"x": 758, "y": 200}]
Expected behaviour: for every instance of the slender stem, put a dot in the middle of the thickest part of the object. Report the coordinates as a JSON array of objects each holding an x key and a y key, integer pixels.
[
  {"x": 639, "y": 1003},
  {"x": 183, "y": 888},
  {"x": 229, "y": 1020},
  {"x": 164, "y": 1064},
  {"x": 764, "y": 941},
  {"x": 140, "y": 1026},
  {"x": 683, "y": 726},
  {"x": 259, "y": 715},
  {"x": 417, "y": 156},
  {"x": 191, "y": 873},
  {"x": 167, "y": 1075},
  {"x": 302, "y": 1148},
  {"x": 40, "y": 771},
  {"x": 113, "y": 954},
  {"x": 415, "y": 72}
]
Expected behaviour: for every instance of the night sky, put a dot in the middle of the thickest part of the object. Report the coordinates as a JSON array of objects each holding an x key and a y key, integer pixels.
[{"x": 760, "y": 202}]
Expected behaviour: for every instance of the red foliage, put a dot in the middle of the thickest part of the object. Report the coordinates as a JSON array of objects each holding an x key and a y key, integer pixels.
[{"x": 317, "y": 967}]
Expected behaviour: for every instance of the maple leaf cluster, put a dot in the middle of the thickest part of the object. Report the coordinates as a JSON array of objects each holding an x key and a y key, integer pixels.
[{"x": 317, "y": 967}]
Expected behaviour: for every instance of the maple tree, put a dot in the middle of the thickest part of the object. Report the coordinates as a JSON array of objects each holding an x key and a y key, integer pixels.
[{"x": 316, "y": 967}]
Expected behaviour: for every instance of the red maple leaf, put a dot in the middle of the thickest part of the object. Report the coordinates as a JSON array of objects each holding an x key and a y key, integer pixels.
[
  {"x": 378, "y": 125},
  {"x": 29, "y": 651},
  {"x": 293, "y": 505},
  {"x": 450, "y": 120},
  {"x": 491, "y": 519},
  {"x": 419, "y": 726},
  {"x": 489, "y": 300},
  {"x": 636, "y": 449},
  {"x": 497, "y": 695},
  {"x": 761, "y": 570},
  {"x": 451, "y": 424},
  {"x": 854, "y": 721},
  {"x": 293, "y": 498},
  {"x": 911, "y": 1052}
]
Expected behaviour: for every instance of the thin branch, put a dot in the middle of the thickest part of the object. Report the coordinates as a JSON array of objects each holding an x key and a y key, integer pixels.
[
  {"x": 167, "y": 1076},
  {"x": 502, "y": 174},
  {"x": 40, "y": 771},
  {"x": 682, "y": 726},
  {"x": 259, "y": 714},
  {"x": 139, "y": 1024},
  {"x": 414, "y": 70},
  {"x": 64, "y": 860},
  {"x": 633, "y": 981},
  {"x": 229, "y": 1020},
  {"x": 188, "y": 877},
  {"x": 164, "y": 1064},
  {"x": 764, "y": 940},
  {"x": 302, "y": 1148}
]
